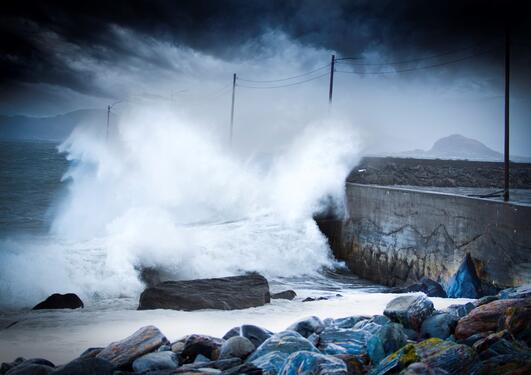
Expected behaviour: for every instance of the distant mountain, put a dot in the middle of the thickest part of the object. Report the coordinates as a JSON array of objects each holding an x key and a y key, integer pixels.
[
  {"x": 457, "y": 146},
  {"x": 52, "y": 128}
]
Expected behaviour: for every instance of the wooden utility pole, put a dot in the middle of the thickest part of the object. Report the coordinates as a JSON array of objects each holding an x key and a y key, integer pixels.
[
  {"x": 331, "y": 80},
  {"x": 232, "y": 108},
  {"x": 108, "y": 118},
  {"x": 507, "y": 91}
]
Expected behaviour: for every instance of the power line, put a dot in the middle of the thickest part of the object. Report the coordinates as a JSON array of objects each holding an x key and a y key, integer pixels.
[
  {"x": 287, "y": 85},
  {"x": 416, "y": 68},
  {"x": 284, "y": 79},
  {"x": 450, "y": 52}
]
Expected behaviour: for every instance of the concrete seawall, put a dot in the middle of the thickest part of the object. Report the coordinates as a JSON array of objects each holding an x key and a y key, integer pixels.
[{"x": 393, "y": 236}]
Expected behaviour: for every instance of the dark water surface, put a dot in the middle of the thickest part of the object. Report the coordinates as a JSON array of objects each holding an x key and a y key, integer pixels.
[{"x": 30, "y": 183}]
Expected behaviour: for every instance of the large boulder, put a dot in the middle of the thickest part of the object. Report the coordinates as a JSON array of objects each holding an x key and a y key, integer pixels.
[
  {"x": 510, "y": 364},
  {"x": 516, "y": 321},
  {"x": 409, "y": 310},
  {"x": 311, "y": 363},
  {"x": 465, "y": 283},
  {"x": 60, "y": 301},
  {"x": 226, "y": 293},
  {"x": 285, "y": 342},
  {"x": 124, "y": 352},
  {"x": 485, "y": 318},
  {"x": 307, "y": 326},
  {"x": 21, "y": 366}
]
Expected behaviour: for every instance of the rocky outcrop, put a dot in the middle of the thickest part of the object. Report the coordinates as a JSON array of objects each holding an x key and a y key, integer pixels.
[
  {"x": 60, "y": 301},
  {"x": 226, "y": 293}
]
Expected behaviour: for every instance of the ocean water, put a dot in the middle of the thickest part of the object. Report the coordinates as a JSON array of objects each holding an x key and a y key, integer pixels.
[{"x": 85, "y": 216}]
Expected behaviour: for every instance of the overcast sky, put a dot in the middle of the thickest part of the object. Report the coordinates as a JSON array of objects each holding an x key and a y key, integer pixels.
[{"x": 64, "y": 55}]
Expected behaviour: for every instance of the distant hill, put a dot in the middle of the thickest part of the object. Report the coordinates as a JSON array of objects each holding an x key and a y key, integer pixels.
[
  {"x": 457, "y": 146},
  {"x": 53, "y": 128}
]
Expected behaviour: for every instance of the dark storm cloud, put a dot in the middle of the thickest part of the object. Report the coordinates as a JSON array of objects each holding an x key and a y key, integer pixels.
[{"x": 38, "y": 38}]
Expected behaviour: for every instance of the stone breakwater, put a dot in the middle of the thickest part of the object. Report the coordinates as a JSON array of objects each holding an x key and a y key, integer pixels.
[{"x": 490, "y": 336}]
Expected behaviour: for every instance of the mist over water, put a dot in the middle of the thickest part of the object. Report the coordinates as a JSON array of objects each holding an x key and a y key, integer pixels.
[{"x": 164, "y": 192}]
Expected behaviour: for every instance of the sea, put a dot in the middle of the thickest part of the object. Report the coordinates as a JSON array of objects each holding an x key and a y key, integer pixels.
[{"x": 71, "y": 222}]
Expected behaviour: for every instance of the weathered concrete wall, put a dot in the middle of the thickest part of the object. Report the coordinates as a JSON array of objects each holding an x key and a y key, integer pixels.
[{"x": 393, "y": 235}]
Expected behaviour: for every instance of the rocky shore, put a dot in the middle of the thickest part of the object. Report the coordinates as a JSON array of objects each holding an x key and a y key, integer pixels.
[{"x": 490, "y": 336}]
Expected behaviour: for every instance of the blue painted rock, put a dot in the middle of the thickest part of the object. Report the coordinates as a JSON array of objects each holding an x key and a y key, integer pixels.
[
  {"x": 312, "y": 363},
  {"x": 256, "y": 334},
  {"x": 438, "y": 325},
  {"x": 388, "y": 339},
  {"x": 155, "y": 361},
  {"x": 271, "y": 363},
  {"x": 60, "y": 301},
  {"x": 485, "y": 318},
  {"x": 409, "y": 310},
  {"x": 124, "y": 352},
  {"x": 376, "y": 319},
  {"x": 307, "y": 326},
  {"x": 334, "y": 341},
  {"x": 465, "y": 283},
  {"x": 200, "y": 344},
  {"x": 86, "y": 366},
  {"x": 286, "y": 342},
  {"x": 236, "y": 347},
  {"x": 348, "y": 322}
]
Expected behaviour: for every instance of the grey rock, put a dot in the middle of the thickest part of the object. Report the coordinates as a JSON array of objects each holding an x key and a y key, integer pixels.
[
  {"x": 307, "y": 326},
  {"x": 235, "y": 331},
  {"x": 461, "y": 310},
  {"x": 90, "y": 352},
  {"x": 427, "y": 286},
  {"x": 312, "y": 363},
  {"x": 244, "y": 368},
  {"x": 438, "y": 325},
  {"x": 485, "y": 300},
  {"x": 286, "y": 294},
  {"x": 155, "y": 361},
  {"x": 236, "y": 347},
  {"x": 86, "y": 366},
  {"x": 226, "y": 293},
  {"x": 419, "y": 368},
  {"x": 124, "y": 352},
  {"x": 222, "y": 364},
  {"x": 30, "y": 369},
  {"x": 60, "y": 301},
  {"x": 522, "y": 291},
  {"x": 200, "y": 358},
  {"x": 409, "y": 310},
  {"x": 348, "y": 322},
  {"x": 201, "y": 344},
  {"x": 256, "y": 334}
]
